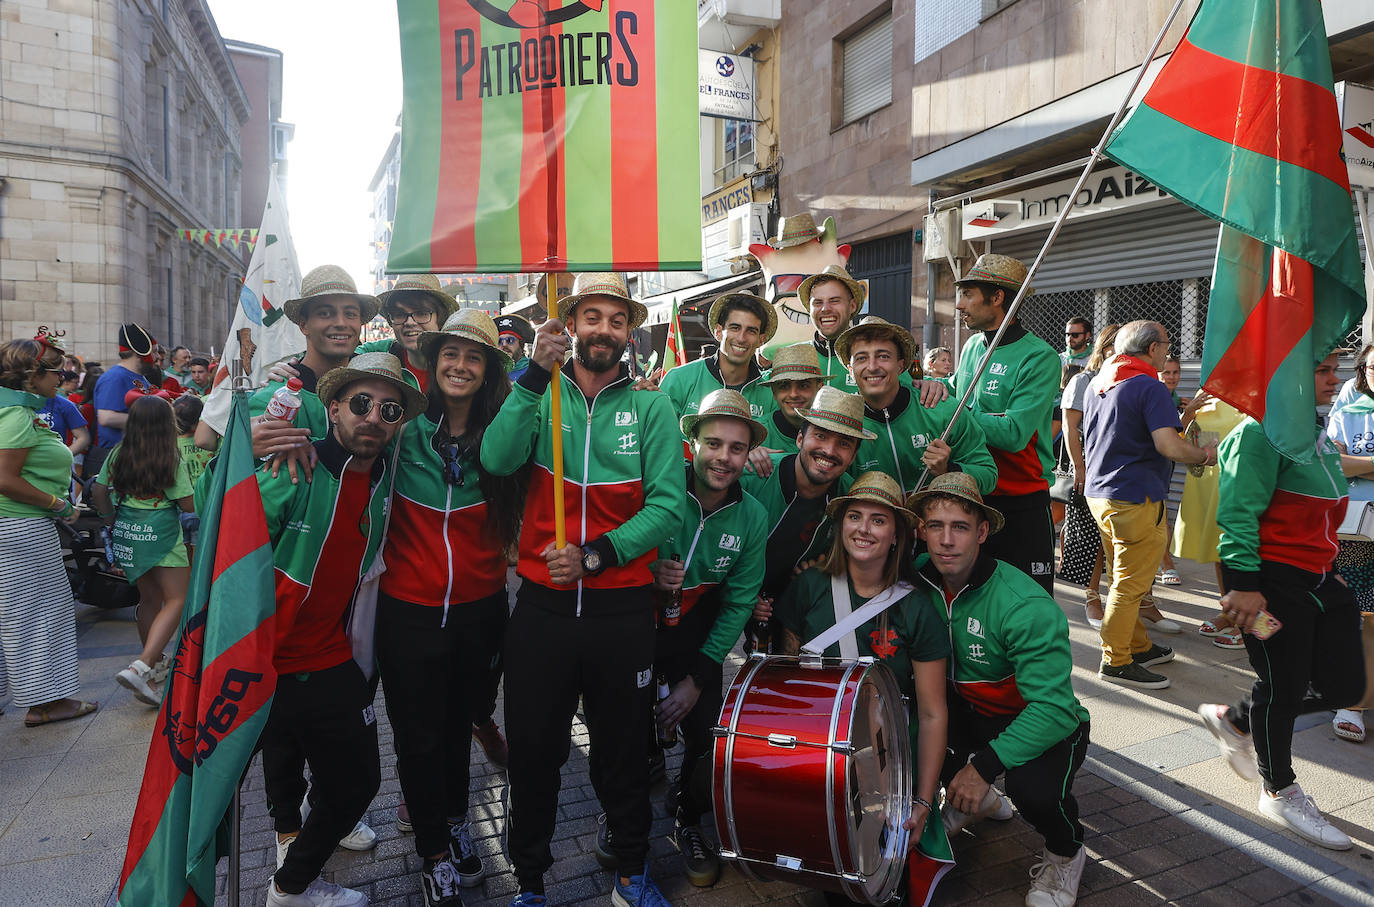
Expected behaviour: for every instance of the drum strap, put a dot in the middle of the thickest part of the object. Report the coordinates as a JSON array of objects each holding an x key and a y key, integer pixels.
[{"x": 847, "y": 620}]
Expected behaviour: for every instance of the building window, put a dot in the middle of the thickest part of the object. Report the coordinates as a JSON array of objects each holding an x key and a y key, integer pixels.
[
  {"x": 992, "y": 6},
  {"x": 865, "y": 65},
  {"x": 734, "y": 149}
]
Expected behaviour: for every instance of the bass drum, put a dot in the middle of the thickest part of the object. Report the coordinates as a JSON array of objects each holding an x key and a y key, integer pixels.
[{"x": 812, "y": 774}]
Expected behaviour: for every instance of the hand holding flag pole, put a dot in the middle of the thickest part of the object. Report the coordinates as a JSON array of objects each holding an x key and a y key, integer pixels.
[
  {"x": 560, "y": 532},
  {"x": 1054, "y": 229}
]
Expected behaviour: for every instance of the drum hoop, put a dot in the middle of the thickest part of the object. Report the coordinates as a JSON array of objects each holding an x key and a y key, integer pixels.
[
  {"x": 886, "y": 682},
  {"x": 758, "y": 661},
  {"x": 841, "y": 865}
]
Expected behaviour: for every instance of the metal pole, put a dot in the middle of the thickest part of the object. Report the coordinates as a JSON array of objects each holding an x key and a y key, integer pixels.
[
  {"x": 231, "y": 885},
  {"x": 930, "y": 334},
  {"x": 1054, "y": 229}
]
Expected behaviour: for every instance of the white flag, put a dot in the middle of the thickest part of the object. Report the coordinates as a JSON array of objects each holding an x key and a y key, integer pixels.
[{"x": 273, "y": 277}]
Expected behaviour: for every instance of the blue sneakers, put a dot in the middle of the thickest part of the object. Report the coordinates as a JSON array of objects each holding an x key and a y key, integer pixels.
[
  {"x": 528, "y": 899},
  {"x": 640, "y": 892}
]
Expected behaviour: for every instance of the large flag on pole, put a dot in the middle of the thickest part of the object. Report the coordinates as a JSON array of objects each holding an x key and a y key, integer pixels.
[
  {"x": 259, "y": 322},
  {"x": 217, "y": 694},
  {"x": 1242, "y": 124},
  {"x": 543, "y": 135}
]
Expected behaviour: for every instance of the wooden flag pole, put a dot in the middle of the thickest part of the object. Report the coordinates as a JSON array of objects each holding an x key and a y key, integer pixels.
[{"x": 560, "y": 529}]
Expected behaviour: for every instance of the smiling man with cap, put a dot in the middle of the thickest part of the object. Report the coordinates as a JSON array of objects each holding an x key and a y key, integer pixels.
[{"x": 741, "y": 323}]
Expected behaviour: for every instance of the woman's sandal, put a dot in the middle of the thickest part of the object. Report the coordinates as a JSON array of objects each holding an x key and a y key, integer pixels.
[
  {"x": 1229, "y": 638},
  {"x": 47, "y": 715},
  {"x": 1211, "y": 628},
  {"x": 1169, "y": 578},
  {"x": 1349, "y": 725}
]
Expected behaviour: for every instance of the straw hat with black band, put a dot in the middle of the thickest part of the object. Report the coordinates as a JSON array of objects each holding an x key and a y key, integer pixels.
[
  {"x": 370, "y": 367},
  {"x": 873, "y": 326},
  {"x": 834, "y": 272},
  {"x": 796, "y": 362},
  {"x": 834, "y": 410},
  {"x": 959, "y": 485},
  {"x": 872, "y": 487},
  {"x": 770, "y": 316},
  {"x": 426, "y": 285},
  {"x": 609, "y": 284},
  {"x": 466, "y": 324},
  {"x": 725, "y": 402},
  {"x": 997, "y": 270},
  {"x": 329, "y": 280}
]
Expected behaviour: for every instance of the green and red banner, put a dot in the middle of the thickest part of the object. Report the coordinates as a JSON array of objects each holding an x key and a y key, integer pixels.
[
  {"x": 217, "y": 694},
  {"x": 1242, "y": 124},
  {"x": 548, "y": 135}
]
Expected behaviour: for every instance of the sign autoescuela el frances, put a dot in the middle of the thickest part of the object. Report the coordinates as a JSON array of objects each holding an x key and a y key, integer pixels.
[{"x": 1108, "y": 189}]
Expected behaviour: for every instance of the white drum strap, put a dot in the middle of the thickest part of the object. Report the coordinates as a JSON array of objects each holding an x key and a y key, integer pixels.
[{"x": 847, "y": 620}]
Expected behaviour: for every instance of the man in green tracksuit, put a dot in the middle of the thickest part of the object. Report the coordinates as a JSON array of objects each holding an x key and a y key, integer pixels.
[
  {"x": 908, "y": 434},
  {"x": 1013, "y": 405},
  {"x": 707, "y": 579},
  {"x": 584, "y": 620},
  {"x": 1011, "y": 703},
  {"x": 741, "y": 323}
]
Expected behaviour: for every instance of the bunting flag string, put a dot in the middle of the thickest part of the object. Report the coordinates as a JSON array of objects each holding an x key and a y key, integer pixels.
[{"x": 237, "y": 237}]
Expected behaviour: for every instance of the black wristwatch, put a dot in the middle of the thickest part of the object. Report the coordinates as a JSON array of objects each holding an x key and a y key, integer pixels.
[{"x": 591, "y": 560}]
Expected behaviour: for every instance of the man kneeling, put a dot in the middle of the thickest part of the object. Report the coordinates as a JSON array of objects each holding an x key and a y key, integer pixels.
[{"x": 1011, "y": 705}]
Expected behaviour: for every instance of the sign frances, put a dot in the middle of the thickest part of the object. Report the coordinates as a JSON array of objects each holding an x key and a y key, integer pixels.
[{"x": 725, "y": 85}]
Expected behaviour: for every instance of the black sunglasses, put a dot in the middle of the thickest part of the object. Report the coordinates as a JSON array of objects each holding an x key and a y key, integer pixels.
[
  {"x": 1074, "y": 333},
  {"x": 360, "y": 404},
  {"x": 453, "y": 452}
]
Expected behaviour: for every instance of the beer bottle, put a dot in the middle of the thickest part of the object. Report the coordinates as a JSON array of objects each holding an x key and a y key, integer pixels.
[{"x": 667, "y": 737}]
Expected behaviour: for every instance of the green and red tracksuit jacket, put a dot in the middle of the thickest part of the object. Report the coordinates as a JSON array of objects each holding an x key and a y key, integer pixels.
[
  {"x": 312, "y": 415},
  {"x": 299, "y": 519},
  {"x": 782, "y": 434},
  {"x": 1013, "y": 405},
  {"x": 1010, "y": 657},
  {"x": 906, "y": 428},
  {"x": 1271, "y": 508},
  {"x": 622, "y": 481},
  {"x": 838, "y": 369},
  {"x": 777, "y": 493},
  {"x": 437, "y": 552},
  {"x": 724, "y": 556},
  {"x": 414, "y": 374},
  {"x": 687, "y": 384}
]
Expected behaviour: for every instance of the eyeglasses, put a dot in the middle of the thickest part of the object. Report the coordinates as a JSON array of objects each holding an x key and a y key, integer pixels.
[
  {"x": 453, "y": 453},
  {"x": 360, "y": 404},
  {"x": 1074, "y": 333},
  {"x": 417, "y": 318}
]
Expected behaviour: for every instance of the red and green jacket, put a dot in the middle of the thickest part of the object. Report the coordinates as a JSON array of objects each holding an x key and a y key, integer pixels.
[
  {"x": 1271, "y": 508},
  {"x": 1013, "y": 405},
  {"x": 437, "y": 552},
  {"x": 622, "y": 480},
  {"x": 906, "y": 428},
  {"x": 724, "y": 556},
  {"x": 777, "y": 493},
  {"x": 687, "y": 384},
  {"x": 1010, "y": 658}
]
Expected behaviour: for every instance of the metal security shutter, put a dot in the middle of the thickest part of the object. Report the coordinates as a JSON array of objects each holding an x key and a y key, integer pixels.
[
  {"x": 1166, "y": 243},
  {"x": 886, "y": 264},
  {"x": 866, "y": 66}
]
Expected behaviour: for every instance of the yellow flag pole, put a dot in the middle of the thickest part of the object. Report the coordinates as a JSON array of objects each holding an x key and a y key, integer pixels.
[{"x": 560, "y": 531}]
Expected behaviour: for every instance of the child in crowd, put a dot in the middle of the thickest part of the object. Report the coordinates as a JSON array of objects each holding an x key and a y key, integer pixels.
[{"x": 141, "y": 491}]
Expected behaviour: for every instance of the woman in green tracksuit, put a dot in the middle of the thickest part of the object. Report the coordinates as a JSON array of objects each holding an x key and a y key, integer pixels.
[{"x": 442, "y": 607}]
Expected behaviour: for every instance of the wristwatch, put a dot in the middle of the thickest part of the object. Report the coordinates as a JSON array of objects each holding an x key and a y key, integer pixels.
[{"x": 591, "y": 560}]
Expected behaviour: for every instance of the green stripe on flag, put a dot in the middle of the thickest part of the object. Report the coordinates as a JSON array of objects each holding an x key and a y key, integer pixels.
[
  {"x": 418, "y": 192},
  {"x": 1232, "y": 36},
  {"x": 679, "y": 238}
]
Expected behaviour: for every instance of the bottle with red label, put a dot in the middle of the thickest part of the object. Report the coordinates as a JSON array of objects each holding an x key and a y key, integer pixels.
[
  {"x": 672, "y": 602},
  {"x": 286, "y": 402}
]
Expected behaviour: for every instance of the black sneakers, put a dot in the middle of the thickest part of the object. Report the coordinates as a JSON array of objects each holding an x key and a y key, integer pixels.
[
  {"x": 1133, "y": 674},
  {"x": 701, "y": 862},
  {"x": 1155, "y": 655},
  {"x": 441, "y": 885},
  {"x": 603, "y": 844},
  {"x": 464, "y": 856}
]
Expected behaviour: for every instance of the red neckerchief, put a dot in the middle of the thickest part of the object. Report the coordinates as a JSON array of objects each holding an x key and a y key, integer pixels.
[{"x": 1119, "y": 368}]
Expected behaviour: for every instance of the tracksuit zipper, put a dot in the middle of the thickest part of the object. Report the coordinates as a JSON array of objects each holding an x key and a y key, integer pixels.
[{"x": 892, "y": 443}]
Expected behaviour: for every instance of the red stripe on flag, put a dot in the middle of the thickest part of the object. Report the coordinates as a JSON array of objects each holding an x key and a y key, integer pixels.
[
  {"x": 540, "y": 146},
  {"x": 1283, "y": 117},
  {"x": 460, "y": 148},
  {"x": 242, "y": 509},
  {"x": 634, "y": 140},
  {"x": 1278, "y": 321}
]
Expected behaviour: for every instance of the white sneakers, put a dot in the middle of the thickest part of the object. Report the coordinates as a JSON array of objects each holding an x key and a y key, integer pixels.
[
  {"x": 1055, "y": 879},
  {"x": 1298, "y": 813},
  {"x": 1238, "y": 748},
  {"x": 362, "y": 837},
  {"x": 318, "y": 894},
  {"x": 138, "y": 677}
]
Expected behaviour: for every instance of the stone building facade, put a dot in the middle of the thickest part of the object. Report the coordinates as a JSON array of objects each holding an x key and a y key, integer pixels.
[
  {"x": 121, "y": 128},
  {"x": 264, "y": 136}
]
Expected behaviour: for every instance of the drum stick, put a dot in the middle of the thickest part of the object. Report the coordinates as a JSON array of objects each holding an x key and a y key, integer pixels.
[
  {"x": 560, "y": 531},
  {"x": 1054, "y": 230}
]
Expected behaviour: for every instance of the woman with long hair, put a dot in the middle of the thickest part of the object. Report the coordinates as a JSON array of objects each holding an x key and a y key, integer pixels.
[
  {"x": 140, "y": 494},
  {"x": 442, "y": 605},
  {"x": 38, "y": 664},
  {"x": 871, "y": 555}
]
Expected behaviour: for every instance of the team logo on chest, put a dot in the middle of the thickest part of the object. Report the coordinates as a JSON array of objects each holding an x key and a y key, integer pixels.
[
  {"x": 975, "y": 627},
  {"x": 626, "y": 444},
  {"x": 884, "y": 643},
  {"x": 999, "y": 368},
  {"x": 992, "y": 385},
  {"x": 729, "y": 542},
  {"x": 920, "y": 441},
  {"x": 624, "y": 418}
]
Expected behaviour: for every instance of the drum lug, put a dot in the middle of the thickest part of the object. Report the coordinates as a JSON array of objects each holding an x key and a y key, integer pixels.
[
  {"x": 852, "y": 878},
  {"x": 793, "y": 864},
  {"x": 719, "y": 731},
  {"x": 843, "y": 746},
  {"x": 783, "y": 740},
  {"x": 810, "y": 660},
  {"x": 729, "y": 855}
]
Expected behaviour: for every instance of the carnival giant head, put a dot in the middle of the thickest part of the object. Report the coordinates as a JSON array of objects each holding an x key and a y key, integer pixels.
[{"x": 799, "y": 250}]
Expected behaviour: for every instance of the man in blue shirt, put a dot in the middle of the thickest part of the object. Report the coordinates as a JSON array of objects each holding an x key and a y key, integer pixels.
[{"x": 136, "y": 347}]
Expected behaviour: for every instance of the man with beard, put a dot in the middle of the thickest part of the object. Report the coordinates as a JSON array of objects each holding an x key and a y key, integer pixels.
[
  {"x": 797, "y": 491},
  {"x": 741, "y": 323},
  {"x": 583, "y": 622},
  {"x": 1012, "y": 404},
  {"x": 325, "y": 534}
]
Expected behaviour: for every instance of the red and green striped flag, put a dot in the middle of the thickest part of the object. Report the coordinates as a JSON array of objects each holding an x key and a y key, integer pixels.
[
  {"x": 217, "y": 694},
  {"x": 543, "y": 135},
  {"x": 1242, "y": 124},
  {"x": 675, "y": 350}
]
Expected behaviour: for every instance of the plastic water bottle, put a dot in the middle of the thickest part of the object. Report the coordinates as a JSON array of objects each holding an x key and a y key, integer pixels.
[{"x": 286, "y": 401}]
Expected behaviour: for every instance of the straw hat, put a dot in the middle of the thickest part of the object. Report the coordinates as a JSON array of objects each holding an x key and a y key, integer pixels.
[
  {"x": 833, "y": 272},
  {"x": 796, "y": 362},
  {"x": 515, "y": 324},
  {"x": 873, "y": 326},
  {"x": 770, "y": 315},
  {"x": 960, "y": 485},
  {"x": 366, "y": 367},
  {"x": 610, "y": 284},
  {"x": 834, "y": 410},
  {"x": 468, "y": 324},
  {"x": 425, "y": 284},
  {"x": 999, "y": 270},
  {"x": 329, "y": 280},
  {"x": 875, "y": 488},
  {"x": 794, "y": 230},
  {"x": 724, "y": 402}
]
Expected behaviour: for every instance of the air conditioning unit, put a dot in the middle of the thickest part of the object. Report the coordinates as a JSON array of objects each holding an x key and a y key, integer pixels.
[{"x": 748, "y": 224}]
